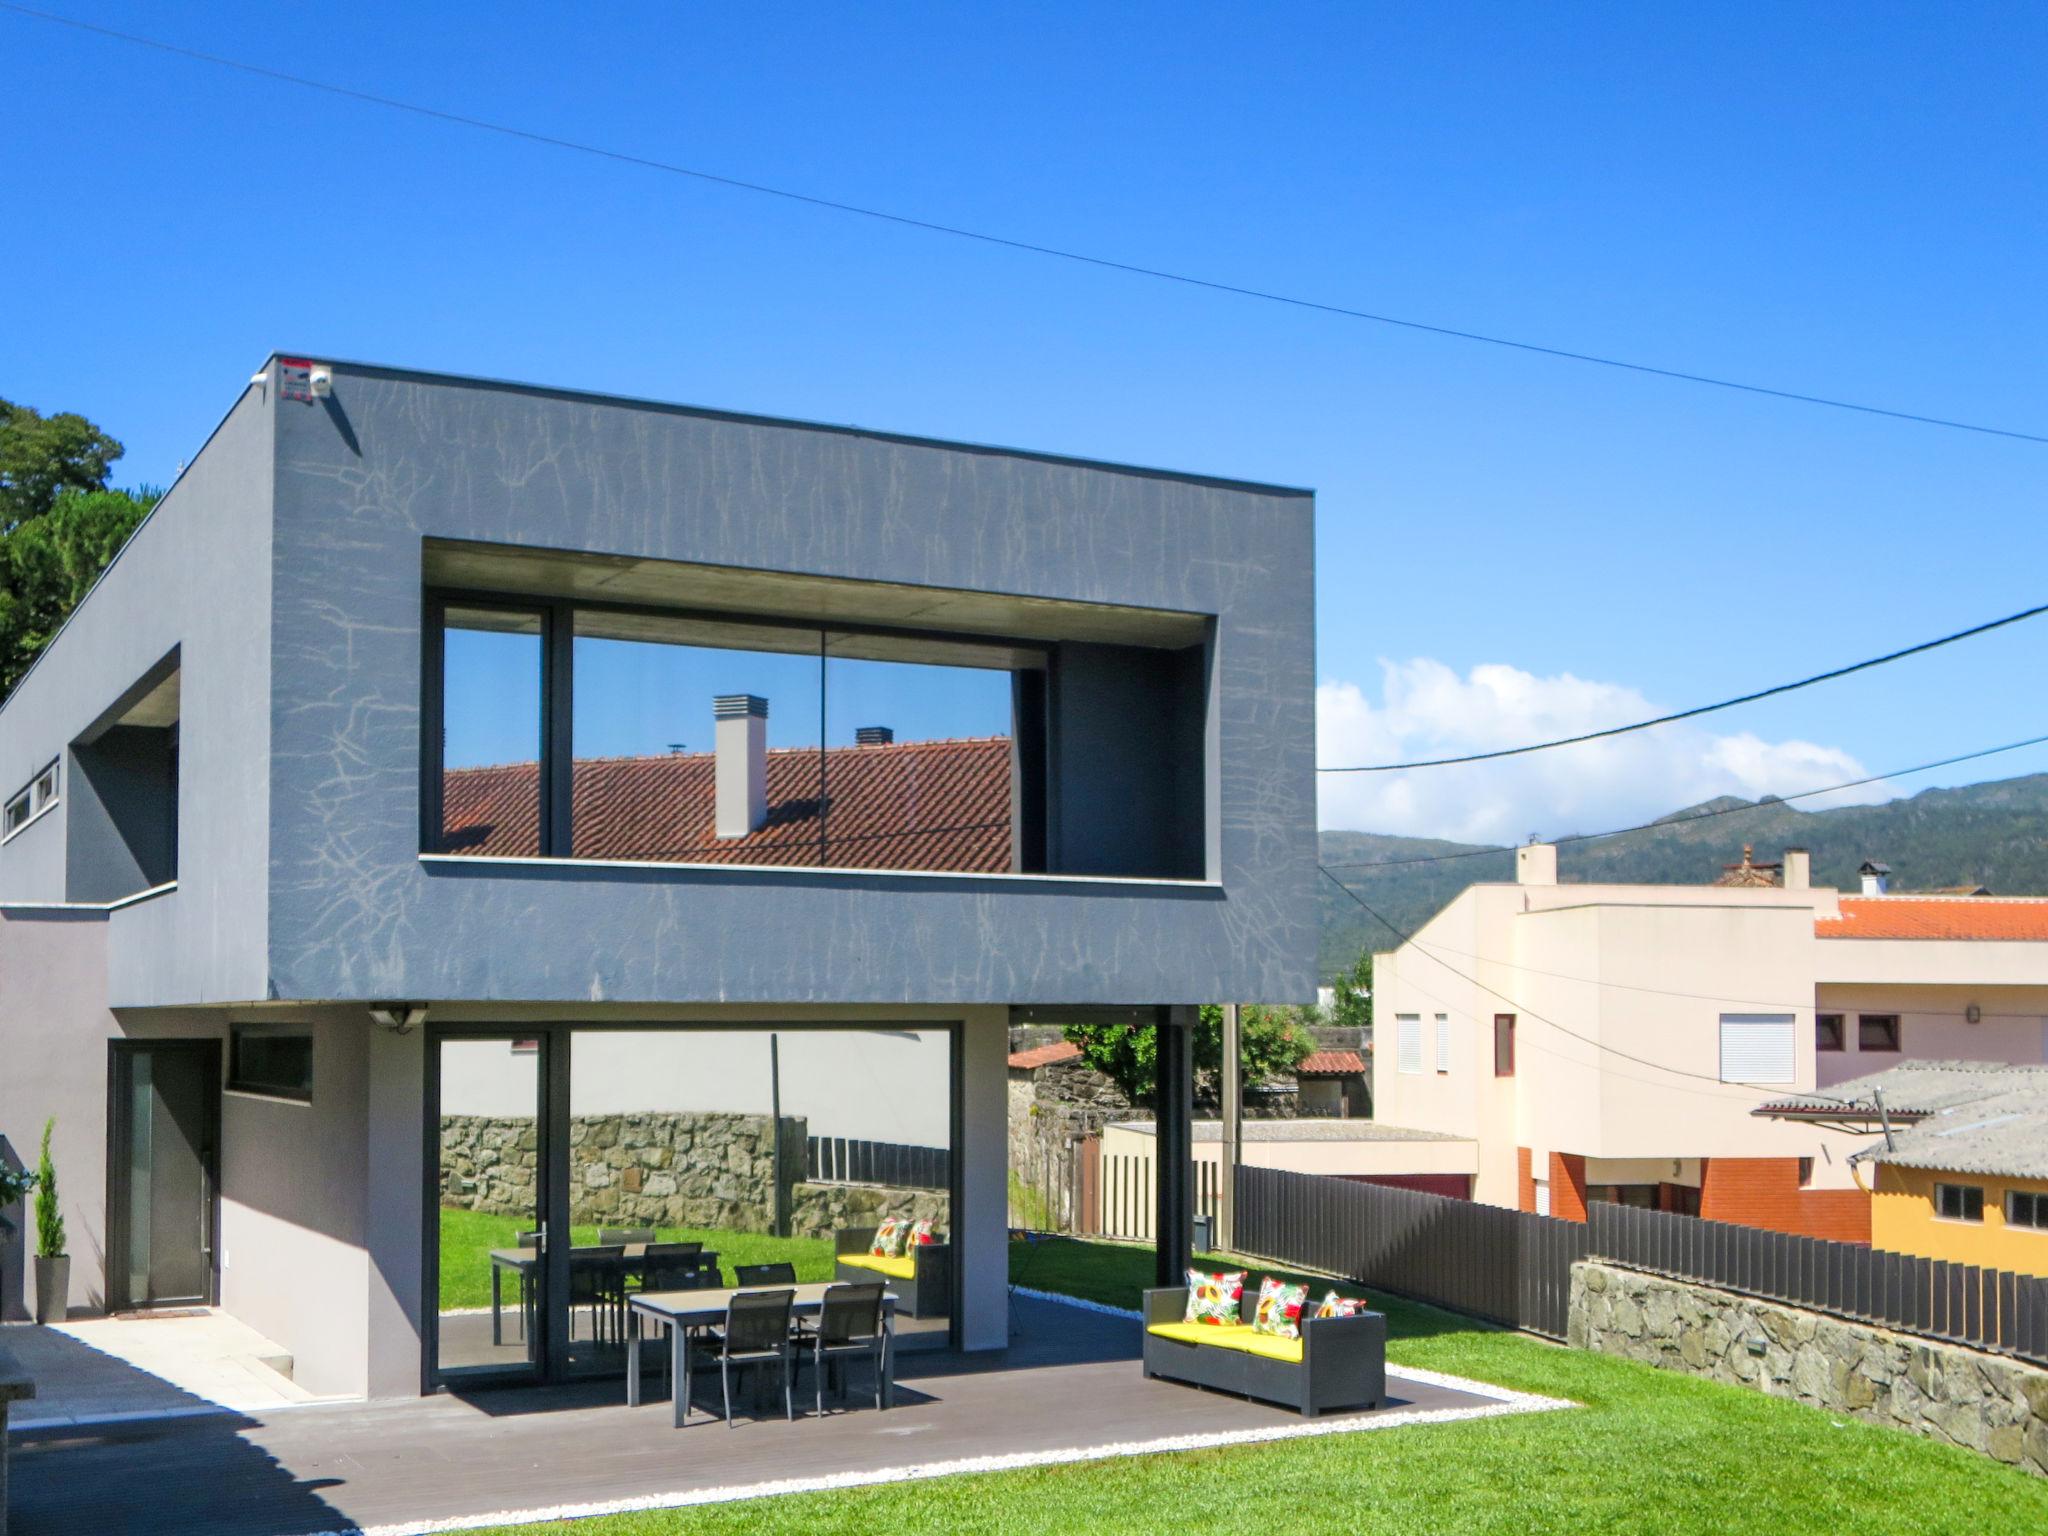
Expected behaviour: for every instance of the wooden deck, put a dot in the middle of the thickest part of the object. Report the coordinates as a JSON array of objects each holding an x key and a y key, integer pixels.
[{"x": 1069, "y": 1384}]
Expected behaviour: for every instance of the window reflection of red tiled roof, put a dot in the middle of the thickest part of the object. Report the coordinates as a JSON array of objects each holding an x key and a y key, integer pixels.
[
  {"x": 928, "y": 805},
  {"x": 1330, "y": 1064},
  {"x": 1043, "y": 1056},
  {"x": 1937, "y": 917}
]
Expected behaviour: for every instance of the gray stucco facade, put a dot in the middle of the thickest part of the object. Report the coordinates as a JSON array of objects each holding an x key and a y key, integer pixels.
[{"x": 284, "y": 573}]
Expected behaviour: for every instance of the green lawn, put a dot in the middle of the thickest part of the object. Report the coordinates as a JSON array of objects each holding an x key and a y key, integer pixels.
[
  {"x": 1650, "y": 1452},
  {"x": 467, "y": 1238}
]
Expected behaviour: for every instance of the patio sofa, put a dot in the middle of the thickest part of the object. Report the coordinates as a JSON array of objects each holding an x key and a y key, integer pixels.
[
  {"x": 1338, "y": 1362},
  {"x": 921, "y": 1281}
]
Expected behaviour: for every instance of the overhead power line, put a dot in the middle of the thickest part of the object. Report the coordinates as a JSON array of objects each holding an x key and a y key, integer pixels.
[
  {"x": 1031, "y": 247},
  {"x": 1700, "y": 709},
  {"x": 1691, "y": 816}
]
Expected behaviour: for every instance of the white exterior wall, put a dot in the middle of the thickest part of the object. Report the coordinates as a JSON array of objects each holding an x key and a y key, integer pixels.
[
  {"x": 1597, "y": 975},
  {"x": 1347, "y": 1158},
  {"x": 872, "y": 1085}
]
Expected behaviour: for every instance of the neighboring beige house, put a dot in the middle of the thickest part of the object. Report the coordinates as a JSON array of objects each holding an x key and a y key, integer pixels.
[{"x": 1608, "y": 1042}]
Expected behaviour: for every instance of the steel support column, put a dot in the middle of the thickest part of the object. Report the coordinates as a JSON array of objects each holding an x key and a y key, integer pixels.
[{"x": 1175, "y": 1094}]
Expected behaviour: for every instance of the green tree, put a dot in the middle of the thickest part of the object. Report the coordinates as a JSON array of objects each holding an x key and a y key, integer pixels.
[
  {"x": 1352, "y": 1006},
  {"x": 1271, "y": 1043},
  {"x": 48, "y": 563},
  {"x": 49, "y": 1215},
  {"x": 43, "y": 456}
]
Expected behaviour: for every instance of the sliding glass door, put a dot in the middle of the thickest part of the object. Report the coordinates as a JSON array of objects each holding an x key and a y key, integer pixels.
[
  {"x": 763, "y": 1154},
  {"x": 490, "y": 1244}
]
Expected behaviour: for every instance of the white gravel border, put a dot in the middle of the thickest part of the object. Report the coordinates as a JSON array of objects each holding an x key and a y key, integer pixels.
[{"x": 1502, "y": 1403}]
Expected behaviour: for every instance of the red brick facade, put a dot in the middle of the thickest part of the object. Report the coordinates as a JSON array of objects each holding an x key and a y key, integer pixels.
[
  {"x": 1525, "y": 1179},
  {"x": 1568, "y": 1186},
  {"x": 1764, "y": 1192}
]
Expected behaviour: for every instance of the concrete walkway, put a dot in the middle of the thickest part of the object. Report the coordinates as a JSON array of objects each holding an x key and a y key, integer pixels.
[{"x": 113, "y": 1369}]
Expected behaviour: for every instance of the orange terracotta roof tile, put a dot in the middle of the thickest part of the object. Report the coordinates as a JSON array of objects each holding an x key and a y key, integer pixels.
[
  {"x": 1938, "y": 917},
  {"x": 926, "y": 805},
  {"x": 1330, "y": 1064},
  {"x": 1044, "y": 1055}
]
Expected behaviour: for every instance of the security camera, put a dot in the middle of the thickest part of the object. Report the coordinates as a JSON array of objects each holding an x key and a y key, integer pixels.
[{"x": 321, "y": 381}]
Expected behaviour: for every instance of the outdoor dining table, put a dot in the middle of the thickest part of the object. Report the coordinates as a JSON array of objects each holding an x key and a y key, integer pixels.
[
  {"x": 522, "y": 1262},
  {"x": 680, "y": 1311}
]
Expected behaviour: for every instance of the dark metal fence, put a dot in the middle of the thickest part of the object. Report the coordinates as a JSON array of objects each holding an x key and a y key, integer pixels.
[
  {"x": 836, "y": 1160},
  {"x": 1515, "y": 1268},
  {"x": 1502, "y": 1265},
  {"x": 1990, "y": 1309}
]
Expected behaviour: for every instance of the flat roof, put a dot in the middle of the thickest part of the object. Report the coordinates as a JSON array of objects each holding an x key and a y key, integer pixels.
[{"x": 748, "y": 418}]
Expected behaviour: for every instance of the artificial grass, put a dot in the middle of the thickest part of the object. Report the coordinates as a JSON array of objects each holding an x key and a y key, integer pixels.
[
  {"x": 467, "y": 1238},
  {"x": 1649, "y": 1451}
]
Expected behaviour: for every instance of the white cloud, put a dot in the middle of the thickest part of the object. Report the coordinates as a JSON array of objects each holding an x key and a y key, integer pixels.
[{"x": 1427, "y": 710}]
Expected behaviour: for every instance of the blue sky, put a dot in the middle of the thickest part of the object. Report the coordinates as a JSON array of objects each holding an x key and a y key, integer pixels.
[{"x": 1845, "y": 202}]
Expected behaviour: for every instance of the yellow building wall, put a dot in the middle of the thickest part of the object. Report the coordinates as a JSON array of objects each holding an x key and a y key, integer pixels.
[{"x": 1902, "y": 1219}]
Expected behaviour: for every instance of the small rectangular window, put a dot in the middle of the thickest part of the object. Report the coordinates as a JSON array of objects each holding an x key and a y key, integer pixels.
[
  {"x": 1503, "y": 1045},
  {"x": 1443, "y": 1042},
  {"x": 2027, "y": 1209},
  {"x": 1877, "y": 1031},
  {"x": 17, "y": 813},
  {"x": 1959, "y": 1202},
  {"x": 1827, "y": 1032},
  {"x": 1408, "y": 1042},
  {"x": 1757, "y": 1048},
  {"x": 43, "y": 793},
  {"x": 275, "y": 1062},
  {"x": 1805, "y": 1172}
]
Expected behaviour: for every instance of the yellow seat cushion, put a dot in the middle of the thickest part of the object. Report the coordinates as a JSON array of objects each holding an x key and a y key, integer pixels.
[
  {"x": 1238, "y": 1336},
  {"x": 895, "y": 1269}
]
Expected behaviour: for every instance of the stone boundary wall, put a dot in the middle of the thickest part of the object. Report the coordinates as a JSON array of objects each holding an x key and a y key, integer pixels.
[
  {"x": 693, "y": 1168},
  {"x": 1983, "y": 1402}
]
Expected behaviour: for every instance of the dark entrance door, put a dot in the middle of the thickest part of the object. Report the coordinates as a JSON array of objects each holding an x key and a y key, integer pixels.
[{"x": 163, "y": 1122}]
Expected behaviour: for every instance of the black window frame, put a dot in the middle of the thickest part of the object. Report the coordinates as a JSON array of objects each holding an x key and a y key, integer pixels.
[
  {"x": 2034, "y": 1202},
  {"x": 1503, "y": 1045},
  {"x": 1821, "y": 1037},
  {"x": 239, "y": 1082},
  {"x": 1893, "y": 1031},
  {"x": 1969, "y": 1200},
  {"x": 556, "y": 750}
]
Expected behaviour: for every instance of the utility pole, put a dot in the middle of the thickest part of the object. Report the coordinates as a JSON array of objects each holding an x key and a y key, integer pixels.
[{"x": 1233, "y": 1133}]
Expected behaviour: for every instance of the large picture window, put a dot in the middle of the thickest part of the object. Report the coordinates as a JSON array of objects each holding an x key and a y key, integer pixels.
[{"x": 575, "y": 728}]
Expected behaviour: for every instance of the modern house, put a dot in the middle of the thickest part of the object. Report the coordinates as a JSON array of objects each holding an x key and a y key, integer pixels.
[
  {"x": 1957, "y": 1163},
  {"x": 468, "y": 816},
  {"x": 1608, "y": 1042}
]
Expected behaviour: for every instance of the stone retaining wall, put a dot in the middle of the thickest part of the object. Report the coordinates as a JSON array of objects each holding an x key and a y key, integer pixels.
[
  {"x": 1981, "y": 1401},
  {"x": 702, "y": 1168}
]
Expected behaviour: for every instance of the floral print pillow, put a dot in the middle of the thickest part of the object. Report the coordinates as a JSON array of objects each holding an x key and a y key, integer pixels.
[
  {"x": 1334, "y": 1305},
  {"x": 1214, "y": 1298},
  {"x": 1279, "y": 1311},
  {"x": 889, "y": 1238},
  {"x": 920, "y": 1234}
]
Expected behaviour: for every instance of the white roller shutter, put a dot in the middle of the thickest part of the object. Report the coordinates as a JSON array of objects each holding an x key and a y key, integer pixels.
[
  {"x": 1408, "y": 1042},
  {"x": 1443, "y": 1042},
  {"x": 1757, "y": 1048}
]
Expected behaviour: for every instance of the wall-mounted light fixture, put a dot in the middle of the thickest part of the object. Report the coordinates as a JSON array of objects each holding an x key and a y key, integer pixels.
[
  {"x": 399, "y": 1018},
  {"x": 1974, "y": 1014}
]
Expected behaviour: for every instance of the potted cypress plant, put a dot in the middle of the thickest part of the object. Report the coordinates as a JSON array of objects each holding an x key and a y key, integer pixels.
[{"x": 53, "y": 1264}]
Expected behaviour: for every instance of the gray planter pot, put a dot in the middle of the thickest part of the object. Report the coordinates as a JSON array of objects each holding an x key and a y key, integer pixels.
[{"x": 53, "y": 1289}]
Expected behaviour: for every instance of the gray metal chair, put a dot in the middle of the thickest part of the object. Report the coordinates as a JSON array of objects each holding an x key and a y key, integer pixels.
[
  {"x": 780, "y": 1273},
  {"x": 597, "y": 1280},
  {"x": 849, "y": 1324},
  {"x": 756, "y": 1333},
  {"x": 676, "y": 1267}
]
